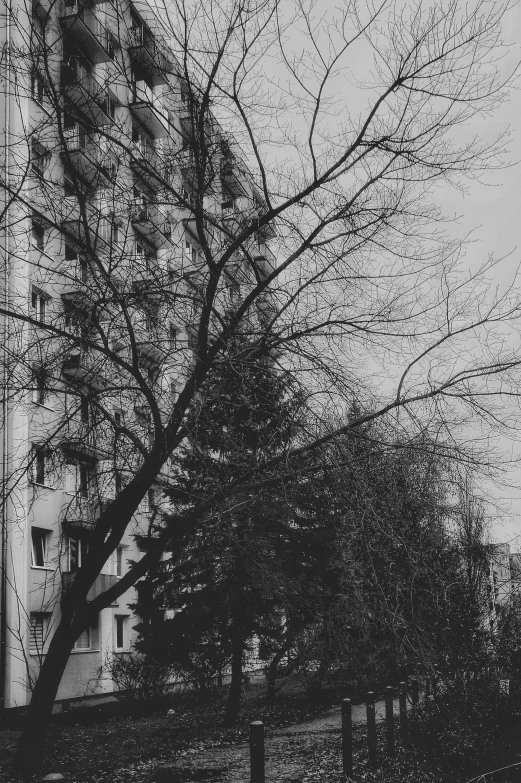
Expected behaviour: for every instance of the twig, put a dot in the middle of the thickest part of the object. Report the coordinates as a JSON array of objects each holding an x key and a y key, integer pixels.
[{"x": 493, "y": 772}]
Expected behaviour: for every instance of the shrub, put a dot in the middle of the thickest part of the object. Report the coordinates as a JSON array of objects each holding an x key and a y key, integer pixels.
[
  {"x": 137, "y": 676},
  {"x": 459, "y": 727}
]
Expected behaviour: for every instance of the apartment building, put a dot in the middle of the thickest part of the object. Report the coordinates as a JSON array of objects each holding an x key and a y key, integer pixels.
[{"x": 107, "y": 220}]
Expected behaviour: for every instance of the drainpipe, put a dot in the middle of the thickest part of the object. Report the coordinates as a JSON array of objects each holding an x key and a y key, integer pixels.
[{"x": 5, "y": 437}]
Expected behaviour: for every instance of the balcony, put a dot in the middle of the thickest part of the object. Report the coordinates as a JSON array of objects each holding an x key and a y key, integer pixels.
[
  {"x": 85, "y": 157},
  {"x": 264, "y": 258},
  {"x": 85, "y": 94},
  {"x": 102, "y": 583},
  {"x": 81, "y": 25},
  {"x": 88, "y": 229},
  {"x": 235, "y": 219},
  {"x": 148, "y": 220},
  {"x": 146, "y": 163},
  {"x": 150, "y": 55},
  {"x": 231, "y": 177},
  {"x": 77, "y": 367},
  {"x": 190, "y": 225},
  {"x": 149, "y": 111}
]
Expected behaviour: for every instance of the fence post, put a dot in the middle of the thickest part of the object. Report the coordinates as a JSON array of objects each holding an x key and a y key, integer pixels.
[
  {"x": 403, "y": 710},
  {"x": 415, "y": 693},
  {"x": 371, "y": 727},
  {"x": 347, "y": 738},
  {"x": 257, "y": 751},
  {"x": 389, "y": 720}
]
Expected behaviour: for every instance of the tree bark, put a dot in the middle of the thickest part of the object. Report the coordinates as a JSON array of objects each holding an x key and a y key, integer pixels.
[
  {"x": 31, "y": 747},
  {"x": 231, "y": 713}
]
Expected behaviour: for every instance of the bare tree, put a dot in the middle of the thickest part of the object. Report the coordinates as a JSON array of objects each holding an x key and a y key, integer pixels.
[{"x": 162, "y": 195}]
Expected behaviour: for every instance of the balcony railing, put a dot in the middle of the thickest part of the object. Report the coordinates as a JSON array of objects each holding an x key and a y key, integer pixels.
[
  {"x": 80, "y": 23},
  {"x": 146, "y": 163},
  {"x": 102, "y": 583},
  {"x": 84, "y": 155},
  {"x": 82, "y": 90},
  {"x": 150, "y": 54},
  {"x": 231, "y": 176},
  {"x": 150, "y": 222},
  {"x": 149, "y": 111},
  {"x": 264, "y": 257},
  {"x": 79, "y": 368}
]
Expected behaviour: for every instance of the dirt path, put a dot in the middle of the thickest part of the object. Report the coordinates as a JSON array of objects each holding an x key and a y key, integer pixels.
[{"x": 288, "y": 752}]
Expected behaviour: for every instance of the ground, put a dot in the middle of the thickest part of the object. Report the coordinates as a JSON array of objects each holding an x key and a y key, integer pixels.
[{"x": 183, "y": 741}]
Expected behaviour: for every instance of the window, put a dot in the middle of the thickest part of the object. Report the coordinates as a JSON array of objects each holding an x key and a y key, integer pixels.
[
  {"x": 38, "y": 631},
  {"x": 77, "y": 550},
  {"x": 37, "y": 234},
  {"x": 84, "y": 410},
  {"x": 69, "y": 189},
  {"x": 39, "y": 158},
  {"x": 120, "y": 622},
  {"x": 39, "y": 465},
  {"x": 77, "y": 478},
  {"x": 173, "y": 338},
  {"x": 39, "y": 547},
  {"x": 119, "y": 561},
  {"x": 84, "y": 641},
  {"x": 39, "y": 385},
  {"x": 38, "y": 26},
  {"x": 38, "y": 304},
  {"x": 38, "y": 89}
]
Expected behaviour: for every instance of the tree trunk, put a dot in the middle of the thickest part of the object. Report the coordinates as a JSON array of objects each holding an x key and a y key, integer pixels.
[
  {"x": 31, "y": 747},
  {"x": 271, "y": 672},
  {"x": 231, "y": 713}
]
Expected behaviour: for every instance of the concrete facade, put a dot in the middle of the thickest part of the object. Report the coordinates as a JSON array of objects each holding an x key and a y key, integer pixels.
[{"x": 92, "y": 105}]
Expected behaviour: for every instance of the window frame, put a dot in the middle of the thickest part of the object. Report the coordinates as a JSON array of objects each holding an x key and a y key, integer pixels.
[
  {"x": 40, "y": 547},
  {"x": 40, "y": 390},
  {"x": 39, "y": 305},
  {"x": 120, "y": 641},
  {"x": 39, "y": 465}
]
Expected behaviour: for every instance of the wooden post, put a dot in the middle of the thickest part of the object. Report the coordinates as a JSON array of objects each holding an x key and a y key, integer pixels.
[
  {"x": 403, "y": 710},
  {"x": 257, "y": 752},
  {"x": 347, "y": 738},
  {"x": 389, "y": 720},
  {"x": 415, "y": 693},
  {"x": 371, "y": 728}
]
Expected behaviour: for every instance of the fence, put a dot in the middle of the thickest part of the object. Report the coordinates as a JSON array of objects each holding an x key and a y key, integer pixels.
[{"x": 257, "y": 751}]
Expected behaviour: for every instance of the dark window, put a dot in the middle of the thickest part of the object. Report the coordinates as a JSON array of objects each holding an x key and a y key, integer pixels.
[
  {"x": 78, "y": 549},
  {"x": 120, "y": 631},
  {"x": 39, "y": 460},
  {"x": 85, "y": 478},
  {"x": 37, "y": 235},
  {"x": 39, "y": 305},
  {"x": 39, "y": 542},
  {"x": 39, "y": 386},
  {"x": 119, "y": 561}
]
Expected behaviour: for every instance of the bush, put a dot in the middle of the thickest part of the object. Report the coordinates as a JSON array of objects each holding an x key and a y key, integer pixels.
[
  {"x": 137, "y": 676},
  {"x": 460, "y": 725}
]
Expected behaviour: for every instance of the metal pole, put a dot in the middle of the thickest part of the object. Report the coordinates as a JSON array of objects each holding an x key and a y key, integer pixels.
[
  {"x": 403, "y": 709},
  {"x": 257, "y": 752},
  {"x": 371, "y": 728},
  {"x": 347, "y": 738},
  {"x": 389, "y": 720}
]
